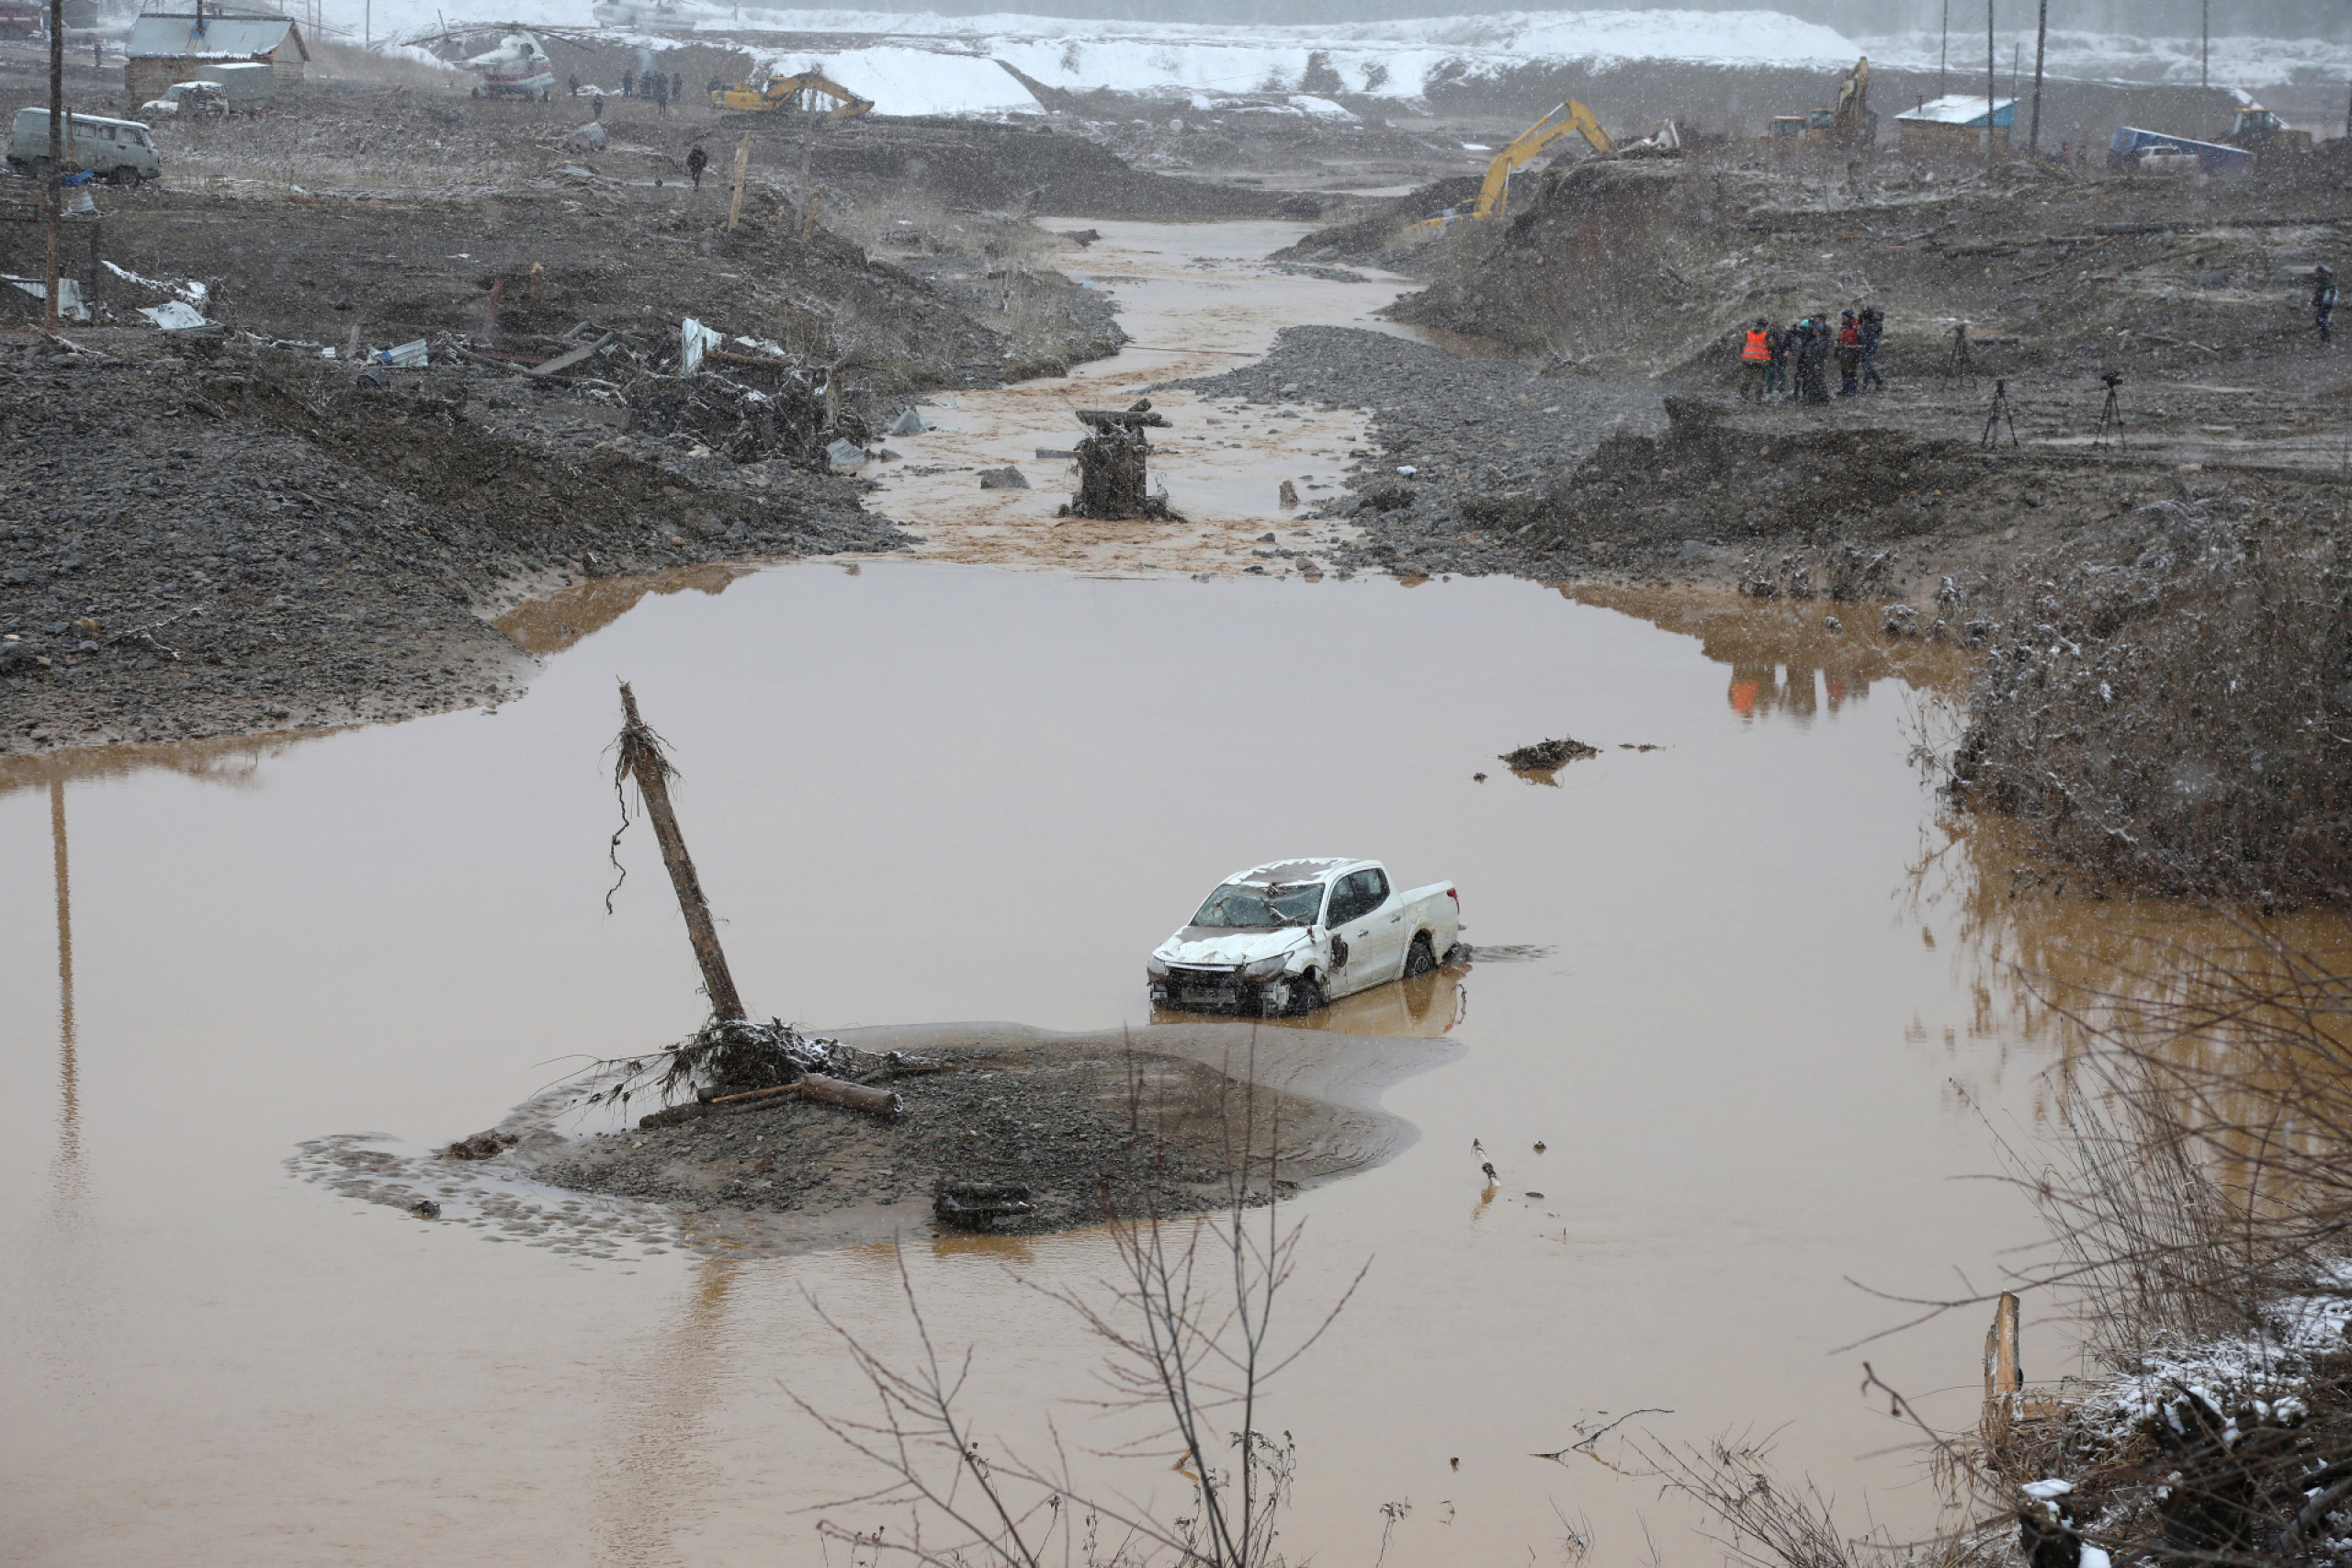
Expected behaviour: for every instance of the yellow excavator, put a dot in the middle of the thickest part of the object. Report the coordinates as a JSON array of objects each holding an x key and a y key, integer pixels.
[
  {"x": 809, "y": 93},
  {"x": 1495, "y": 195}
]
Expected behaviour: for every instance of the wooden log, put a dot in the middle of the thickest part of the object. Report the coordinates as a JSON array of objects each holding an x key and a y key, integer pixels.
[
  {"x": 811, "y": 1085},
  {"x": 640, "y": 758},
  {"x": 856, "y": 1096}
]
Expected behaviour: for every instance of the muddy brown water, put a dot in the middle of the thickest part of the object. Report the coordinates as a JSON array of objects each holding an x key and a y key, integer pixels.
[{"x": 1745, "y": 989}]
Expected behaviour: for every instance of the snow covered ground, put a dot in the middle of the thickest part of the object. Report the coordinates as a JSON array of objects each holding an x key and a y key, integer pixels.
[{"x": 932, "y": 65}]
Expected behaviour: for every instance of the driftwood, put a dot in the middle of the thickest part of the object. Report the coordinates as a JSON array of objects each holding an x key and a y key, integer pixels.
[{"x": 881, "y": 1102}]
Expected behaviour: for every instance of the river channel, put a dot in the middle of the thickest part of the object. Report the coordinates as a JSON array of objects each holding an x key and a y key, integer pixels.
[{"x": 1739, "y": 988}]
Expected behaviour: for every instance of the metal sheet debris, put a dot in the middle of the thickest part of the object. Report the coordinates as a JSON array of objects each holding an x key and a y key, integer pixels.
[
  {"x": 175, "y": 316},
  {"x": 695, "y": 340}
]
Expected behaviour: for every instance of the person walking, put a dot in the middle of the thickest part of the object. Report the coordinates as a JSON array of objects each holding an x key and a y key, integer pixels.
[
  {"x": 677, "y": 86},
  {"x": 1874, "y": 328},
  {"x": 661, "y": 96},
  {"x": 1755, "y": 361},
  {"x": 1779, "y": 341},
  {"x": 696, "y": 162},
  {"x": 2322, "y": 301},
  {"x": 573, "y": 83},
  {"x": 1850, "y": 355},
  {"x": 597, "y": 110},
  {"x": 629, "y": 84}
]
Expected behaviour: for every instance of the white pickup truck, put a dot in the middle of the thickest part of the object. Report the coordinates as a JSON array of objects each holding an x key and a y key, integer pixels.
[{"x": 1287, "y": 937}]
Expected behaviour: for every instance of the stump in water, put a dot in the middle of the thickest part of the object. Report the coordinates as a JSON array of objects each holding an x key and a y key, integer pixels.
[{"x": 1111, "y": 471}]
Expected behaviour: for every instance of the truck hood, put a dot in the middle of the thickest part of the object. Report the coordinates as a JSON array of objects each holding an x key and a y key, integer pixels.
[{"x": 1219, "y": 944}]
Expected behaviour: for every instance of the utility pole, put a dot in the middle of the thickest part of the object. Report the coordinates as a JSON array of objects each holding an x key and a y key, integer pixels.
[
  {"x": 641, "y": 759},
  {"x": 1943, "y": 56},
  {"x": 1992, "y": 80},
  {"x": 56, "y": 180},
  {"x": 2205, "y": 44},
  {"x": 2040, "y": 44}
]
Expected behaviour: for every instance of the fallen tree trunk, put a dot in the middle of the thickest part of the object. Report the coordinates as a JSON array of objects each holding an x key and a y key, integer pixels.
[{"x": 882, "y": 1102}]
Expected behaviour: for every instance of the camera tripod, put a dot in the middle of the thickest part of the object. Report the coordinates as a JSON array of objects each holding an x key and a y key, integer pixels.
[
  {"x": 2110, "y": 414},
  {"x": 1958, "y": 363},
  {"x": 1998, "y": 416}
]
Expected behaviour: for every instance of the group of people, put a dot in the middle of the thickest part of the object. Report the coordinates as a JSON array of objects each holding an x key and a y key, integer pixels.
[
  {"x": 1768, "y": 353},
  {"x": 653, "y": 87}
]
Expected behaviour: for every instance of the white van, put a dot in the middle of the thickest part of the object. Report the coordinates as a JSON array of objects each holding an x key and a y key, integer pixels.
[{"x": 122, "y": 151}]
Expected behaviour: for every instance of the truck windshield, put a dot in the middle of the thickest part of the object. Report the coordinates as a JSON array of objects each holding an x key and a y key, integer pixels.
[{"x": 1239, "y": 906}]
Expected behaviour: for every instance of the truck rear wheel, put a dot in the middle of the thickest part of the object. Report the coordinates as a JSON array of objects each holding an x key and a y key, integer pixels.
[
  {"x": 1419, "y": 958},
  {"x": 125, "y": 176}
]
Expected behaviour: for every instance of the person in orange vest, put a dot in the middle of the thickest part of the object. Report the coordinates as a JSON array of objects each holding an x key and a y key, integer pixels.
[{"x": 1755, "y": 361}]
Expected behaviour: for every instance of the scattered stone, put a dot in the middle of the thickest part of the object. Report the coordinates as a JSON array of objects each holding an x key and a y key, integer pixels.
[{"x": 1006, "y": 478}]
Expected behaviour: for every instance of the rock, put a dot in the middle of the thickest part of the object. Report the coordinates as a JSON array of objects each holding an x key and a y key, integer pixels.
[
  {"x": 589, "y": 138},
  {"x": 1006, "y": 478},
  {"x": 1288, "y": 495},
  {"x": 426, "y": 1209},
  {"x": 481, "y": 1146}
]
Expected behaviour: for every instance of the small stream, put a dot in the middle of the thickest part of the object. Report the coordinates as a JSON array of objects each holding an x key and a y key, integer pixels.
[{"x": 1752, "y": 997}]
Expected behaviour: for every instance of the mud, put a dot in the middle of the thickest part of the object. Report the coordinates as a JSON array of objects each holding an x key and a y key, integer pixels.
[{"x": 1167, "y": 1119}]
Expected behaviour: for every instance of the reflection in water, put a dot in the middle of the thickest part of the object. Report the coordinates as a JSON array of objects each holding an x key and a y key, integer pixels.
[
  {"x": 1783, "y": 656},
  {"x": 66, "y": 1175},
  {"x": 553, "y": 624},
  {"x": 652, "y": 1488},
  {"x": 231, "y": 759},
  {"x": 1426, "y": 1007}
]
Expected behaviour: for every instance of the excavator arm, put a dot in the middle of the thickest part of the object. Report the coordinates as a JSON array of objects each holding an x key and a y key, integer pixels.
[
  {"x": 1494, "y": 195},
  {"x": 810, "y": 92}
]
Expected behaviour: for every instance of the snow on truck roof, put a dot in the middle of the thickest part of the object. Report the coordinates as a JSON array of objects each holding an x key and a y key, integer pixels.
[{"x": 1289, "y": 872}]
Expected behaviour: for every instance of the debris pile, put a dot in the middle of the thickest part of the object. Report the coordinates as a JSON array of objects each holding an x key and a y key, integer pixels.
[
  {"x": 1113, "y": 483},
  {"x": 1546, "y": 755}
]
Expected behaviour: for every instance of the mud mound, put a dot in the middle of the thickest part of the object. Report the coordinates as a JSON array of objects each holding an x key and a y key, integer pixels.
[
  {"x": 1383, "y": 237},
  {"x": 1020, "y": 168},
  {"x": 1587, "y": 246}
]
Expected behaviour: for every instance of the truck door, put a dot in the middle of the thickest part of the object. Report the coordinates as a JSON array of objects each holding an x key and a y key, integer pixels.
[{"x": 1365, "y": 916}]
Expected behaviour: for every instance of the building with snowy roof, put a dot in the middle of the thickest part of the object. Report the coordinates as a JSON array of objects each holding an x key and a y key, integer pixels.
[
  {"x": 1956, "y": 123},
  {"x": 164, "y": 44}
]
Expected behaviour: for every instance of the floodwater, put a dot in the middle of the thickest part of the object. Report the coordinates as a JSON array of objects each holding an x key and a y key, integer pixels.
[
  {"x": 1750, "y": 996},
  {"x": 1195, "y": 300}
]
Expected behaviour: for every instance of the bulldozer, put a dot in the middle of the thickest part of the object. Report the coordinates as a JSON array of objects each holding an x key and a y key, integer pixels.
[
  {"x": 1494, "y": 196},
  {"x": 809, "y": 93}
]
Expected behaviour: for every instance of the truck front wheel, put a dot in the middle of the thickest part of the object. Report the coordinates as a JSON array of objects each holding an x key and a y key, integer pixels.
[{"x": 1305, "y": 996}]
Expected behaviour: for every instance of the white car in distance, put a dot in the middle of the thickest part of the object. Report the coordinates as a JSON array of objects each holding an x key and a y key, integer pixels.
[{"x": 1291, "y": 935}]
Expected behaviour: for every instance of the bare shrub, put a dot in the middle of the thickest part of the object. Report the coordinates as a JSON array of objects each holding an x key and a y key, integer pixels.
[
  {"x": 1186, "y": 1327},
  {"x": 2169, "y": 700}
]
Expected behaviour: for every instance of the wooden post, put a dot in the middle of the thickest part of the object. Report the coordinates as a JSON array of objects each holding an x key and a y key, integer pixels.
[
  {"x": 490, "y": 311},
  {"x": 53, "y": 187},
  {"x": 2004, "y": 1379},
  {"x": 538, "y": 271},
  {"x": 735, "y": 201},
  {"x": 640, "y": 757}
]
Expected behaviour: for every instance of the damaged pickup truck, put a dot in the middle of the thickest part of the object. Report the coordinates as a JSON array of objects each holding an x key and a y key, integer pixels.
[{"x": 1288, "y": 936}]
